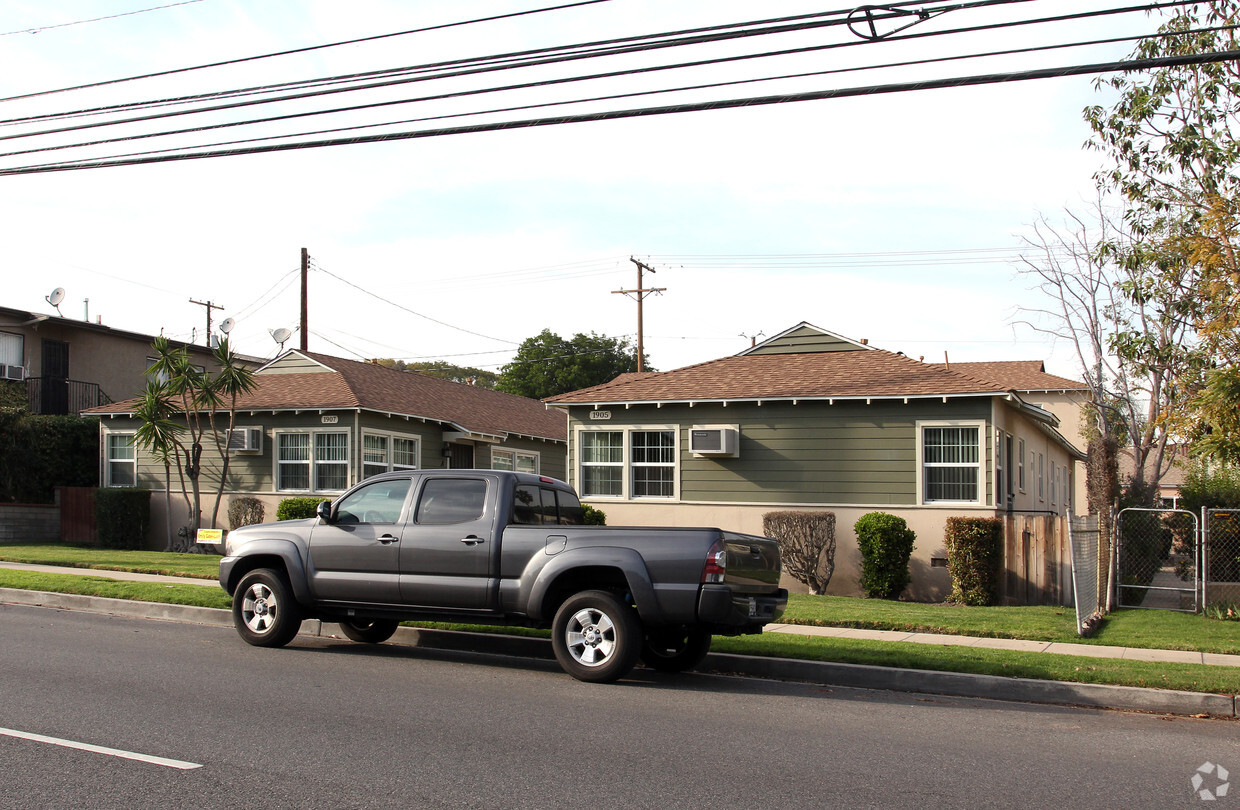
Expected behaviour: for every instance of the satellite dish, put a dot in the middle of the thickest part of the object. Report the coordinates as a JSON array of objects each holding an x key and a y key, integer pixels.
[
  {"x": 280, "y": 336},
  {"x": 55, "y": 298},
  {"x": 227, "y": 325}
]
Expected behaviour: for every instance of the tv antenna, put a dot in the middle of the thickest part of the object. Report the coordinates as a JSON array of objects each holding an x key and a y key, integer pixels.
[
  {"x": 280, "y": 336},
  {"x": 55, "y": 298}
]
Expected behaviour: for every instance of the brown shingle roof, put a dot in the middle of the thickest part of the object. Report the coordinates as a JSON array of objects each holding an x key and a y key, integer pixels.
[
  {"x": 856, "y": 374},
  {"x": 1019, "y": 375},
  {"x": 350, "y": 384}
]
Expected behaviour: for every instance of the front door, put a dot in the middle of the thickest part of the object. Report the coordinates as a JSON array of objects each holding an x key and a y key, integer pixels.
[
  {"x": 356, "y": 557},
  {"x": 54, "y": 384},
  {"x": 449, "y": 555}
]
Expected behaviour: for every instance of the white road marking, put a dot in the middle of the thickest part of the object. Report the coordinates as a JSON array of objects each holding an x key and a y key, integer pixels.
[{"x": 98, "y": 749}]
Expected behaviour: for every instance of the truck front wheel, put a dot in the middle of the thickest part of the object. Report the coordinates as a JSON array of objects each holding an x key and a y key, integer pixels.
[
  {"x": 675, "y": 649},
  {"x": 265, "y": 612},
  {"x": 596, "y": 637}
]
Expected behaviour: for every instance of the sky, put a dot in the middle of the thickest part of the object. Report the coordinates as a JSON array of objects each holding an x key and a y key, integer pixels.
[{"x": 898, "y": 218}]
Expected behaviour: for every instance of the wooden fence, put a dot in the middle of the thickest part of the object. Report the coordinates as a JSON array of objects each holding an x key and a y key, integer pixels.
[{"x": 1036, "y": 561}]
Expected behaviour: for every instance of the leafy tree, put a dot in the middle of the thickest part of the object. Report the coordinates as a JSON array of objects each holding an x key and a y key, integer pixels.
[
  {"x": 547, "y": 364},
  {"x": 444, "y": 371},
  {"x": 1171, "y": 143},
  {"x": 159, "y": 433}
]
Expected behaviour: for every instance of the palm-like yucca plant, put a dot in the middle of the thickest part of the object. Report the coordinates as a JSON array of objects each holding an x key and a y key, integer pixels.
[{"x": 159, "y": 433}]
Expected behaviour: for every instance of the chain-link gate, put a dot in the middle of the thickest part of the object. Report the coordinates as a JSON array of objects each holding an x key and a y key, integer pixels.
[
  {"x": 1156, "y": 558},
  {"x": 1221, "y": 566}
]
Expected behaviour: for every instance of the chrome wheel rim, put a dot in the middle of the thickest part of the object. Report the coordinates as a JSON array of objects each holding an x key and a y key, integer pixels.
[
  {"x": 590, "y": 637},
  {"x": 259, "y": 608}
]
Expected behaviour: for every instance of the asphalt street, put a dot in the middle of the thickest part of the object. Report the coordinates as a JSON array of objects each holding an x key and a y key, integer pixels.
[{"x": 329, "y": 723}]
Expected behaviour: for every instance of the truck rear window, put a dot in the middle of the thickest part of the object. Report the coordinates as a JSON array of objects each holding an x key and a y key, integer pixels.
[{"x": 537, "y": 506}]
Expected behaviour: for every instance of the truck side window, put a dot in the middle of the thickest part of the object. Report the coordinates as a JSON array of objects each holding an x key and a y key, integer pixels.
[
  {"x": 525, "y": 506},
  {"x": 376, "y": 503},
  {"x": 451, "y": 500},
  {"x": 571, "y": 513}
]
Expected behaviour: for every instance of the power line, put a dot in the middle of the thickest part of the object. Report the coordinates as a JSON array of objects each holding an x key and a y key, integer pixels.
[
  {"x": 40, "y": 28},
  {"x": 820, "y": 95},
  {"x": 306, "y": 49}
]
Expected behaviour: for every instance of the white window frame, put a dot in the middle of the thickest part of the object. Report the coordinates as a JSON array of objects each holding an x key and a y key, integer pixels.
[
  {"x": 626, "y": 464},
  {"x": 1021, "y": 467},
  {"x": 1000, "y": 466},
  {"x": 980, "y": 465},
  {"x": 108, "y": 460},
  {"x": 313, "y": 463},
  {"x": 12, "y": 349},
  {"x": 1041, "y": 478},
  {"x": 390, "y": 440},
  {"x": 514, "y": 456}
]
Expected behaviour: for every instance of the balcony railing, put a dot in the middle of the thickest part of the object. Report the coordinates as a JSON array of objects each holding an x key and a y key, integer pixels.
[{"x": 53, "y": 395}]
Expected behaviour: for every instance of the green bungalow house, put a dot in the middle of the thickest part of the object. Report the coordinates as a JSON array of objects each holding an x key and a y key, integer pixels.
[
  {"x": 315, "y": 425},
  {"x": 812, "y": 420}
]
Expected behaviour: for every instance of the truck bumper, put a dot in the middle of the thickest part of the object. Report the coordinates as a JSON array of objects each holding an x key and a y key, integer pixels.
[{"x": 720, "y": 606}]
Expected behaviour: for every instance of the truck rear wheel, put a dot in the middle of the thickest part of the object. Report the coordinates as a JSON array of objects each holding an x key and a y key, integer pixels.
[
  {"x": 265, "y": 612},
  {"x": 675, "y": 649},
  {"x": 596, "y": 637},
  {"x": 369, "y": 631}
]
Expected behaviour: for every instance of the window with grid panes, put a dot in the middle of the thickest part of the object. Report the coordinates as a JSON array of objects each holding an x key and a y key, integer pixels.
[
  {"x": 951, "y": 463},
  {"x": 652, "y": 454},
  {"x": 602, "y": 463}
]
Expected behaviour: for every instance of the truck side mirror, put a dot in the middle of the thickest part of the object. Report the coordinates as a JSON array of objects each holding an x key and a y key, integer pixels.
[{"x": 324, "y": 511}]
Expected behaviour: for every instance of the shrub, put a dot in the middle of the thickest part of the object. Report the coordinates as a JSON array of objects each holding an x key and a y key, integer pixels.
[
  {"x": 245, "y": 511},
  {"x": 296, "y": 508},
  {"x": 592, "y": 516},
  {"x": 886, "y": 543},
  {"x": 974, "y": 559},
  {"x": 39, "y": 453},
  {"x": 122, "y": 516},
  {"x": 806, "y": 545}
]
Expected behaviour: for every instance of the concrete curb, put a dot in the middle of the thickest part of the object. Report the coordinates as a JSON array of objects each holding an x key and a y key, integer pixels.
[{"x": 955, "y": 684}]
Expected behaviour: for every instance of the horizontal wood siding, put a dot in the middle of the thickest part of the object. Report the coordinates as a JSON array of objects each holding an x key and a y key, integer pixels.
[{"x": 811, "y": 452}]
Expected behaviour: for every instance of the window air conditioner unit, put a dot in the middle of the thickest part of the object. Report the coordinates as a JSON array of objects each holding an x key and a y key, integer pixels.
[
  {"x": 246, "y": 439},
  {"x": 715, "y": 440},
  {"x": 12, "y": 372}
]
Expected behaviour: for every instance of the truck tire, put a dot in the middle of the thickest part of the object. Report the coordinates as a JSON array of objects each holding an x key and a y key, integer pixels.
[
  {"x": 369, "y": 631},
  {"x": 596, "y": 637},
  {"x": 265, "y": 612},
  {"x": 675, "y": 649}
]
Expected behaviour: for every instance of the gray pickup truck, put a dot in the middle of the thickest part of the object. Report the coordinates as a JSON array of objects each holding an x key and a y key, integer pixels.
[{"x": 491, "y": 547}]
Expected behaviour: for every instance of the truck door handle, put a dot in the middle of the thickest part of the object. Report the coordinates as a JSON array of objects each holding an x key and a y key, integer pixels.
[
  {"x": 388, "y": 538},
  {"x": 472, "y": 540}
]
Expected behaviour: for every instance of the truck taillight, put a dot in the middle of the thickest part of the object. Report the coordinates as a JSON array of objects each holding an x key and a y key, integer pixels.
[{"x": 716, "y": 566}]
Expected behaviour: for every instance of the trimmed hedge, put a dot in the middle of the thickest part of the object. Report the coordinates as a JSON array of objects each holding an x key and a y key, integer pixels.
[
  {"x": 974, "y": 559},
  {"x": 245, "y": 511},
  {"x": 886, "y": 544},
  {"x": 122, "y": 516},
  {"x": 298, "y": 508},
  {"x": 592, "y": 516},
  {"x": 39, "y": 453}
]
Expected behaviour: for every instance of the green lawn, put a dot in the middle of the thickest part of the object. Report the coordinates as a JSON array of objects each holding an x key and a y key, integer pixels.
[{"x": 1129, "y": 628}]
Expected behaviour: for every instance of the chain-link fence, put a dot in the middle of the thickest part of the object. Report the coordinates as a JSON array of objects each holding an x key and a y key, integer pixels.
[
  {"x": 1156, "y": 559},
  {"x": 1221, "y": 578},
  {"x": 1084, "y": 534}
]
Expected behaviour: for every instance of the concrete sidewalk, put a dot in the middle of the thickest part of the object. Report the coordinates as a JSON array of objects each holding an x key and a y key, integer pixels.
[{"x": 849, "y": 675}]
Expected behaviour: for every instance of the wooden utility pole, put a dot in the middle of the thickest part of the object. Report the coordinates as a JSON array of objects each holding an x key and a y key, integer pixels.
[
  {"x": 210, "y": 306},
  {"x": 305, "y": 304},
  {"x": 639, "y": 295}
]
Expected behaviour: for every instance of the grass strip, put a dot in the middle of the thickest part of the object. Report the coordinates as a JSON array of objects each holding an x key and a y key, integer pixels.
[
  {"x": 88, "y": 585},
  {"x": 1187, "y": 677},
  {"x": 1146, "y": 629},
  {"x": 197, "y": 566}
]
